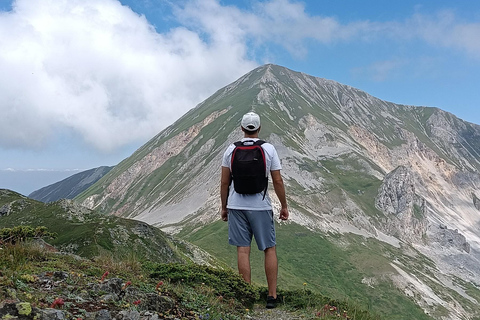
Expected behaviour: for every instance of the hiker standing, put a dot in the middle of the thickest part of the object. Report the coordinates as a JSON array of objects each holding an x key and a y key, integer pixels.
[{"x": 245, "y": 201}]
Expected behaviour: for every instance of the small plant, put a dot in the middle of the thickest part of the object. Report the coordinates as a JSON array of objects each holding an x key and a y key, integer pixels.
[
  {"x": 21, "y": 285},
  {"x": 226, "y": 283},
  {"x": 125, "y": 265},
  {"x": 29, "y": 278},
  {"x": 329, "y": 310},
  {"x": 126, "y": 285},
  {"x": 159, "y": 284},
  {"x": 23, "y": 233},
  {"x": 57, "y": 303},
  {"x": 104, "y": 276},
  {"x": 137, "y": 302}
]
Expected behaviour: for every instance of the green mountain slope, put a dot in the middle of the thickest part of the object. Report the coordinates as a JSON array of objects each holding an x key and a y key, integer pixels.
[
  {"x": 87, "y": 233},
  {"x": 351, "y": 267},
  {"x": 358, "y": 171},
  {"x": 314, "y": 119}
]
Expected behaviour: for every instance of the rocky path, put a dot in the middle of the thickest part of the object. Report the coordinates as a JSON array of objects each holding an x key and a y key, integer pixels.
[{"x": 259, "y": 312}]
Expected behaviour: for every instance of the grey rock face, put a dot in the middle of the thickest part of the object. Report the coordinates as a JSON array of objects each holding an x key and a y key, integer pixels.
[
  {"x": 103, "y": 315},
  {"x": 52, "y": 314},
  {"x": 476, "y": 201},
  {"x": 4, "y": 210},
  {"x": 397, "y": 192},
  {"x": 158, "y": 303},
  {"x": 113, "y": 288},
  {"x": 129, "y": 315},
  {"x": 450, "y": 238},
  {"x": 404, "y": 210},
  {"x": 460, "y": 139}
]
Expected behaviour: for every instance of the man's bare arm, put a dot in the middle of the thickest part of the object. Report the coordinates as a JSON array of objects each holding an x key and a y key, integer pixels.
[
  {"x": 224, "y": 184},
  {"x": 279, "y": 188}
]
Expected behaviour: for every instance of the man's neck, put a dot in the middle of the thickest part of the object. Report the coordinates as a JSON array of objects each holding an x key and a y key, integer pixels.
[{"x": 251, "y": 136}]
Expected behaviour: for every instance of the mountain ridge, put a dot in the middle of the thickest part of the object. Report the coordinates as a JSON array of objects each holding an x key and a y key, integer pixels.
[
  {"x": 69, "y": 187},
  {"x": 345, "y": 156}
]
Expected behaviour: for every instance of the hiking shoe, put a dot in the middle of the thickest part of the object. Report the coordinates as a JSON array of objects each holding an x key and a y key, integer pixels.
[{"x": 271, "y": 302}]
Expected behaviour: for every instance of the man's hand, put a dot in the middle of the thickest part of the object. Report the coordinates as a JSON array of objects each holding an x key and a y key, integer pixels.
[
  {"x": 224, "y": 214},
  {"x": 280, "y": 191},
  {"x": 224, "y": 186}
]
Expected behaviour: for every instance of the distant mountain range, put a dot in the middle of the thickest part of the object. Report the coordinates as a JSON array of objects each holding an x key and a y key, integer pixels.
[
  {"x": 70, "y": 187},
  {"x": 383, "y": 197}
]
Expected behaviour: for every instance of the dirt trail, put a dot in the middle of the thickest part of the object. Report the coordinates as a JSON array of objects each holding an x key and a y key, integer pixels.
[{"x": 259, "y": 312}]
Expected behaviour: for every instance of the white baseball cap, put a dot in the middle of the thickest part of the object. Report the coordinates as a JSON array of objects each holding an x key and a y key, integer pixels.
[{"x": 251, "y": 121}]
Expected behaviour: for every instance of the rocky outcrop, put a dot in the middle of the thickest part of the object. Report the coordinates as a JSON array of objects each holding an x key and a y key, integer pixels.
[
  {"x": 73, "y": 210},
  {"x": 7, "y": 208},
  {"x": 404, "y": 210},
  {"x": 4, "y": 210},
  {"x": 397, "y": 192},
  {"x": 476, "y": 201},
  {"x": 450, "y": 238},
  {"x": 107, "y": 300}
]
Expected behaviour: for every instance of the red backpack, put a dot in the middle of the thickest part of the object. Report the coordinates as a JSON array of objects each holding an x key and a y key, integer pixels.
[{"x": 249, "y": 167}]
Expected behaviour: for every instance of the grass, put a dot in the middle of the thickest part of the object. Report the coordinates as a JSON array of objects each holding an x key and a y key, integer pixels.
[
  {"x": 197, "y": 292},
  {"x": 88, "y": 233},
  {"x": 329, "y": 265},
  {"x": 360, "y": 186}
]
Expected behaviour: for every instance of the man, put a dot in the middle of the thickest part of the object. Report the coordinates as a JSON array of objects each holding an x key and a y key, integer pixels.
[{"x": 251, "y": 214}]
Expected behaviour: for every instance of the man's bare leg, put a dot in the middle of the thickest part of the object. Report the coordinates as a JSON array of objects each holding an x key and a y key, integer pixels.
[
  {"x": 243, "y": 262},
  {"x": 271, "y": 270}
]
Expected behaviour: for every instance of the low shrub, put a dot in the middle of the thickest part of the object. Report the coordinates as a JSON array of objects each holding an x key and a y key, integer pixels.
[{"x": 225, "y": 283}]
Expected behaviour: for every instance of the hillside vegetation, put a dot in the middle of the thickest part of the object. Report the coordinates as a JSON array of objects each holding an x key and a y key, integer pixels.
[
  {"x": 50, "y": 270},
  {"x": 88, "y": 233},
  {"x": 36, "y": 282},
  {"x": 352, "y": 268}
]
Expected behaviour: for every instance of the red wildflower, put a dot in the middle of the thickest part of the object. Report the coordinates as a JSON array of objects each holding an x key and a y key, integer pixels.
[
  {"x": 126, "y": 285},
  {"x": 104, "y": 276},
  {"x": 57, "y": 302},
  {"x": 159, "y": 284},
  {"x": 137, "y": 302}
]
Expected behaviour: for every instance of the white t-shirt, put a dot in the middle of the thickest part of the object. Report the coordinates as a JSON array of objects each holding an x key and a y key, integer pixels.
[{"x": 251, "y": 201}]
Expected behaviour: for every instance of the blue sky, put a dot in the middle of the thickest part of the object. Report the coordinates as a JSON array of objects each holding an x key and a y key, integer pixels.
[{"x": 84, "y": 83}]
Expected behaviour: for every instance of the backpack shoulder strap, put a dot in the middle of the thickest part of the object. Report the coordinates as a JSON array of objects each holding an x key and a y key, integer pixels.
[
  {"x": 255, "y": 143},
  {"x": 259, "y": 142}
]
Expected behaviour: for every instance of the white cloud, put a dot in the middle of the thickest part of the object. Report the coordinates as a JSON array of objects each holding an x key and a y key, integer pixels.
[
  {"x": 445, "y": 29},
  {"x": 381, "y": 70},
  {"x": 283, "y": 22},
  {"x": 287, "y": 23},
  {"x": 101, "y": 70}
]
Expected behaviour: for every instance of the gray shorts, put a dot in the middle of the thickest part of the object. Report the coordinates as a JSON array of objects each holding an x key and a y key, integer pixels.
[{"x": 243, "y": 224}]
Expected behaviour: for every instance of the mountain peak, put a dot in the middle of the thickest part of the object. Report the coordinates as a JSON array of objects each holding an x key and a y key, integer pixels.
[{"x": 344, "y": 154}]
